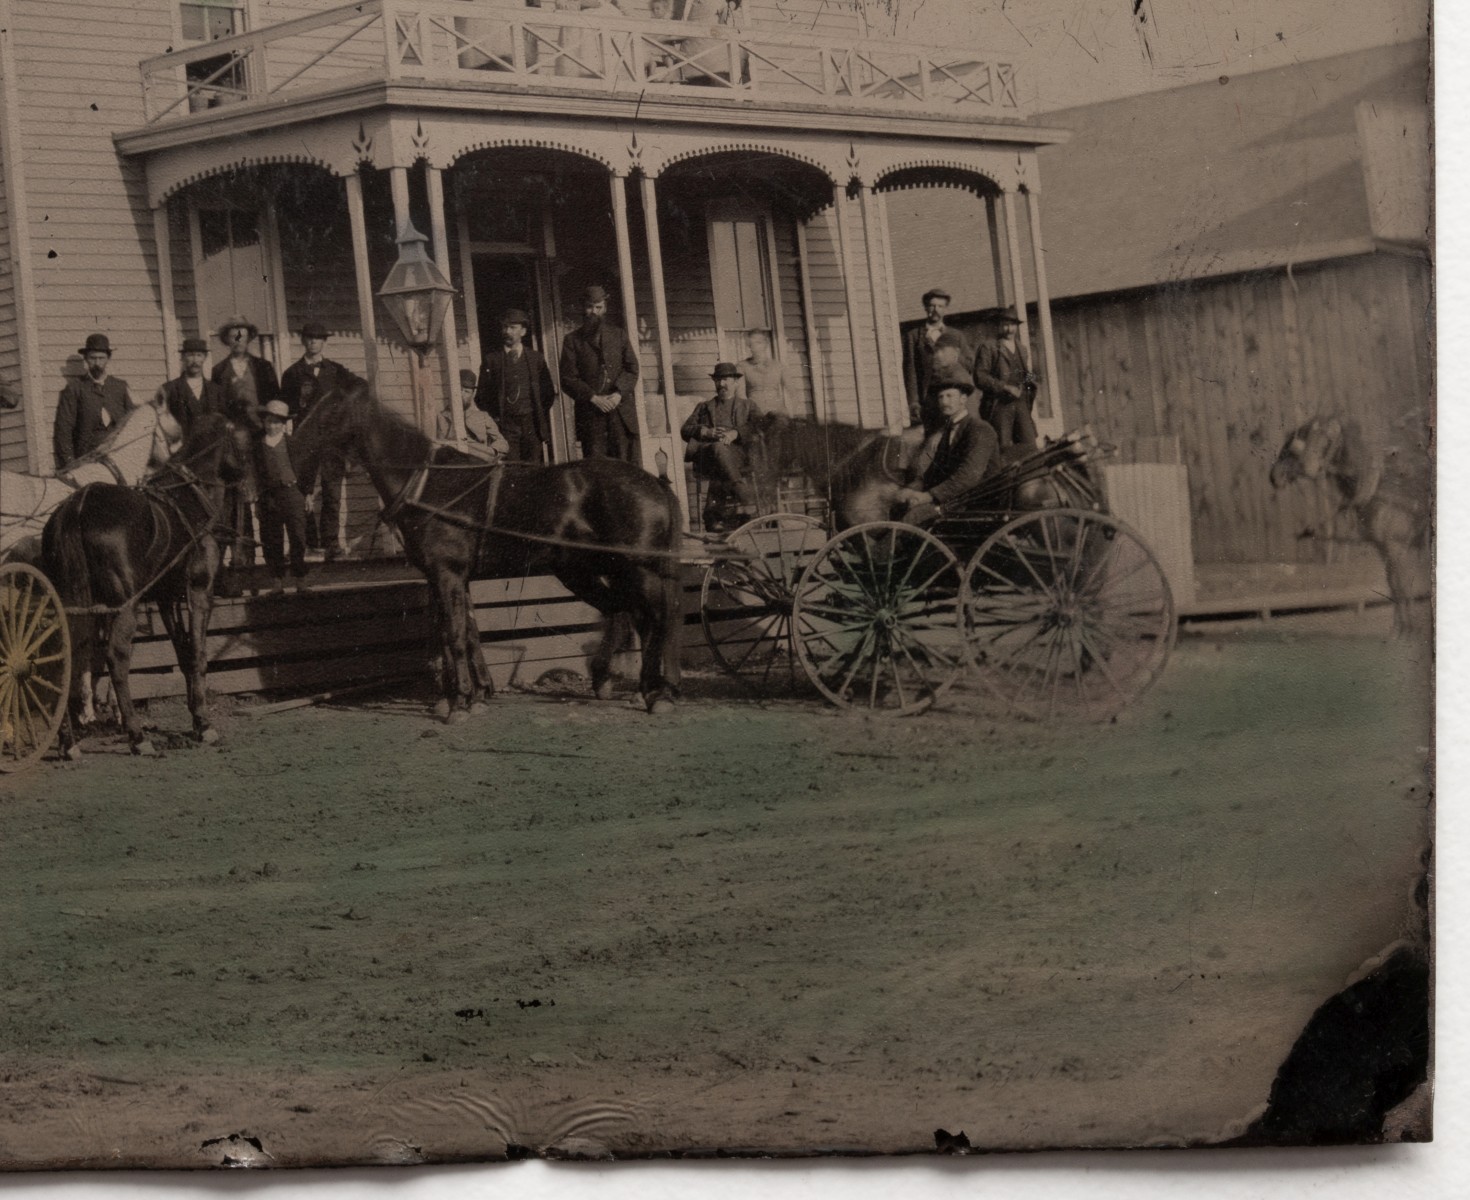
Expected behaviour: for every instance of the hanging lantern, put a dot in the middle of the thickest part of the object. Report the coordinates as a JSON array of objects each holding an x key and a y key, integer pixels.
[{"x": 416, "y": 294}]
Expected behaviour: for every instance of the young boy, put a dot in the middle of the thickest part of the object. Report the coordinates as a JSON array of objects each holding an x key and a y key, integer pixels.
[
  {"x": 282, "y": 507},
  {"x": 479, "y": 426}
]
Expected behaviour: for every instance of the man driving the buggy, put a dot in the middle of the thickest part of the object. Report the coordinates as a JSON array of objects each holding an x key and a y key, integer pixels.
[
  {"x": 955, "y": 458},
  {"x": 717, "y": 438}
]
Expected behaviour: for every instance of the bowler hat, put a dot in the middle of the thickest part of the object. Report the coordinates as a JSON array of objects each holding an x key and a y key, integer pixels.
[
  {"x": 951, "y": 378},
  {"x": 725, "y": 370},
  {"x": 236, "y": 322},
  {"x": 275, "y": 408},
  {"x": 1006, "y": 315},
  {"x": 97, "y": 343},
  {"x": 467, "y": 379},
  {"x": 935, "y": 294},
  {"x": 596, "y": 294},
  {"x": 514, "y": 316},
  {"x": 194, "y": 346},
  {"x": 313, "y": 329}
]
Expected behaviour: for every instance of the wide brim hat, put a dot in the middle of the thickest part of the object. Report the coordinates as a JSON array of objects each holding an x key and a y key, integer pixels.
[
  {"x": 726, "y": 370},
  {"x": 935, "y": 293},
  {"x": 596, "y": 294},
  {"x": 237, "y": 322},
  {"x": 951, "y": 379},
  {"x": 194, "y": 346},
  {"x": 275, "y": 408},
  {"x": 97, "y": 343},
  {"x": 1006, "y": 315},
  {"x": 514, "y": 316},
  {"x": 314, "y": 329}
]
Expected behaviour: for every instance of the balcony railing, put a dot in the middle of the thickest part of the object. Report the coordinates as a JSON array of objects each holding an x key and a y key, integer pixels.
[{"x": 447, "y": 41}]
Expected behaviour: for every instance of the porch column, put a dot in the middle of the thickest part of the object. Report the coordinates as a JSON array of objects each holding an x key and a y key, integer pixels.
[
  {"x": 365, "y": 315},
  {"x": 196, "y": 266},
  {"x": 997, "y": 262},
  {"x": 1018, "y": 284},
  {"x": 163, "y": 244},
  {"x": 1052, "y": 418},
  {"x": 275, "y": 264},
  {"x": 449, "y": 349},
  {"x": 844, "y": 264},
  {"x": 630, "y": 307},
  {"x": 672, "y": 420}
]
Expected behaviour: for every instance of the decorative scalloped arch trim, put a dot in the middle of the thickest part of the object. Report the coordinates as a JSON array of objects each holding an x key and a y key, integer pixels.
[
  {"x": 756, "y": 147},
  {"x": 535, "y": 143},
  {"x": 939, "y": 164},
  {"x": 250, "y": 160}
]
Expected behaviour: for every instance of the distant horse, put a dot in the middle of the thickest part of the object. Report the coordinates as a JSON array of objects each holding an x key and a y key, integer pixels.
[
  {"x": 861, "y": 471},
  {"x": 107, "y": 548},
  {"x": 1385, "y": 487},
  {"x": 606, "y": 529},
  {"x": 142, "y": 439}
]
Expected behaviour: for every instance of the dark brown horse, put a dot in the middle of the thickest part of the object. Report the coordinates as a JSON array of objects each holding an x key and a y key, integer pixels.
[
  {"x": 1385, "y": 486},
  {"x": 609, "y": 531},
  {"x": 108, "y": 548}
]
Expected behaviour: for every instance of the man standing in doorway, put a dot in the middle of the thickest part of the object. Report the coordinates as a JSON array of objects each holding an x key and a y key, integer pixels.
[
  {"x": 929, "y": 350},
  {"x": 189, "y": 396},
  {"x": 515, "y": 388},
  {"x": 90, "y": 406},
  {"x": 306, "y": 381},
  {"x": 599, "y": 370}
]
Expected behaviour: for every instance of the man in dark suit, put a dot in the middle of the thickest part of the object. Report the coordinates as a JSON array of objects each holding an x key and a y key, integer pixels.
[
  {"x": 304, "y": 382},
  {"x": 189, "y": 396},
  {"x": 599, "y": 370},
  {"x": 1007, "y": 388},
  {"x": 247, "y": 383},
  {"x": 90, "y": 407},
  {"x": 515, "y": 388},
  {"x": 927, "y": 350},
  {"x": 955, "y": 458}
]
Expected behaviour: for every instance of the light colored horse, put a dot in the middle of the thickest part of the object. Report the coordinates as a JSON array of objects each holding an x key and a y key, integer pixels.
[{"x": 142, "y": 440}]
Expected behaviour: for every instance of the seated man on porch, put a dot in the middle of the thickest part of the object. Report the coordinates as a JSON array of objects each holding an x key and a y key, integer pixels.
[
  {"x": 717, "y": 438},
  {"x": 955, "y": 458}
]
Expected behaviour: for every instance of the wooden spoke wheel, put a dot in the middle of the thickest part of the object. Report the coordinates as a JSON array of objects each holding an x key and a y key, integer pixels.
[
  {"x": 876, "y": 619},
  {"x": 1068, "y": 614},
  {"x": 745, "y": 602},
  {"x": 35, "y": 665}
]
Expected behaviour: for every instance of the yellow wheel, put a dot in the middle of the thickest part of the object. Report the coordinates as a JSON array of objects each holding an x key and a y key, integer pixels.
[{"x": 35, "y": 665}]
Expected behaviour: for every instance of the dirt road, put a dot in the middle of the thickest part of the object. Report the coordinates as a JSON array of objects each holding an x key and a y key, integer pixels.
[{"x": 357, "y": 936}]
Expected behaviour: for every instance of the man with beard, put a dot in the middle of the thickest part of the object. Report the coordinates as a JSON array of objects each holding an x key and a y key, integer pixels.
[
  {"x": 599, "y": 370},
  {"x": 515, "y": 389},
  {"x": 189, "y": 396},
  {"x": 90, "y": 406}
]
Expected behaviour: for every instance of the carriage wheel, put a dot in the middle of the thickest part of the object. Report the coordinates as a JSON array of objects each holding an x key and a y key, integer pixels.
[
  {"x": 876, "y": 619},
  {"x": 35, "y": 665},
  {"x": 1068, "y": 614},
  {"x": 745, "y": 603}
]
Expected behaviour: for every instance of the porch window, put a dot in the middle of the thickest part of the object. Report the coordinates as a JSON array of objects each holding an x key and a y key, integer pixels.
[
  {"x": 741, "y": 272},
  {"x": 208, "y": 21}
]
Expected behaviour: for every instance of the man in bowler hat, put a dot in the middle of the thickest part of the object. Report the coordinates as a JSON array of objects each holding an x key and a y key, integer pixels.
[
  {"x": 955, "y": 457},
  {"x": 90, "y": 406},
  {"x": 190, "y": 395},
  {"x": 717, "y": 438},
  {"x": 516, "y": 390},
  {"x": 1006, "y": 385},
  {"x": 304, "y": 382},
  {"x": 599, "y": 369}
]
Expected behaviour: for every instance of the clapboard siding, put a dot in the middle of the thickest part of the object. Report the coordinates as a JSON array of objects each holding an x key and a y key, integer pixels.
[{"x": 1229, "y": 366}]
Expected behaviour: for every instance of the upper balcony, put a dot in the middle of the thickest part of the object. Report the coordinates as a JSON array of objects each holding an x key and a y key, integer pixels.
[{"x": 446, "y": 46}]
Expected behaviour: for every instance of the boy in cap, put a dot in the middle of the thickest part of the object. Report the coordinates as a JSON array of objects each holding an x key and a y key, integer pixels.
[
  {"x": 479, "y": 427},
  {"x": 717, "y": 439},
  {"x": 516, "y": 391},
  {"x": 190, "y": 395},
  {"x": 599, "y": 370},
  {"x": 305, "y": 381},
  {"x": 89, "y": 406},
  {"x": 282, "y": 507}
]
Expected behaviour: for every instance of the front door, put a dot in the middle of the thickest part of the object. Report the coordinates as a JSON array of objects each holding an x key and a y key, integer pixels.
[{"x": 524, "y": 281}]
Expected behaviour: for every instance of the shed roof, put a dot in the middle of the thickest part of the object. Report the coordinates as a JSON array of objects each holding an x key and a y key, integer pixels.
[{"x": 1252, "y": 171}]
